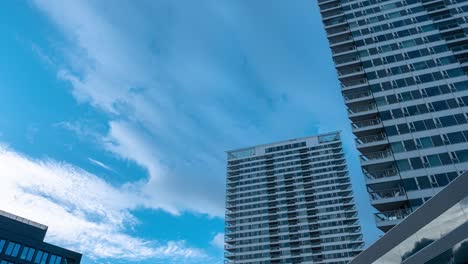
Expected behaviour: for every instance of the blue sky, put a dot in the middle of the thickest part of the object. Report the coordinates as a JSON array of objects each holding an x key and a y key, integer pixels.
[{"x": 114, "y": 118}]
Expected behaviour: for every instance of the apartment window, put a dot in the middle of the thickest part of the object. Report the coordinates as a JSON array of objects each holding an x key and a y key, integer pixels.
[
  {"x": 27, "y": 253},
  {"x": 55, "y": 259},
  {"x": 441, "y": 179},
  {"x": 434, "y": 160},
  {"x": 12, "y": 249},
  {"x": 423, "y": 182},
  {"x": 456, "y": 137},
  {"x": 397, "y": 147},
  {"x": 409, "y": 145},
  {"x": 2, "y": 244},
  {"x": 416, "y": 163},
  {"x": 410, "y": 184},
  {"x": 403, "y": 165},
  {"x": 41, "y": 257}
]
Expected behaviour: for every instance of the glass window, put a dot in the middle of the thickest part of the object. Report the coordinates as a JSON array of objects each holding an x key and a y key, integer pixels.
[
  {"x": 12, "y": 249},
  {"x": 437, "y": 141},
  {"x": 445, "y": 158},
  {"x": 416, "y": 163},
  {"x": 456, "y": 137},
  {"x": 397, "y": 147},
  {"x": 403, "y": 128},
  {"x": 447, "y": 121},
  {"x": 2, "y": 244},
  {"x": 441, "y": 179},
  {"x": 403, "y": 165},
  {"x": 410, "y": 184},
  {"x": 434, "y": 160},
  {"x": 409, "y": 145},
  {"x": 462, "y": 155},
  {"x": 423, "y": 182},
  {"x": 426, "y": 142}
]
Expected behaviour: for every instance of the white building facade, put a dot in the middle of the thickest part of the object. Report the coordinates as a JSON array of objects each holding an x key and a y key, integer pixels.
[
  {"x": 291, "y": 202},
  {"x": 402, "y": 65}
]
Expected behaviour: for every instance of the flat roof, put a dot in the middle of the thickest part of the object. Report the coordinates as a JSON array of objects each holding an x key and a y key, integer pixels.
[
  {"x": 23, "y": 220},
  {"x": 285, "y": 141}
]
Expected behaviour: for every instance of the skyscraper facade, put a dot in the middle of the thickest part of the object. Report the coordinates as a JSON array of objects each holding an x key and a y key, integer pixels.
[
  {"x": 402, "y": 67},
  {"x": 291, "y": 202}
]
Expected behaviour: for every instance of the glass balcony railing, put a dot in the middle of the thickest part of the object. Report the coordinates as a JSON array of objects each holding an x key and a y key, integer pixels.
[
  {"x": 366, "y": 123},
  {"x": 357, "y": 95},
  {"x": 392, "y": 215},
  {"x": 349, "y": 84},
  {"x": 376, "y": 155},
  {"x": 386, "y": 194},
  {"x": 370, "y": 139},
  {"x": 361, "y": 108},
  {"x": 380, "y": 174},
  {"x": 350, "y": 71}
]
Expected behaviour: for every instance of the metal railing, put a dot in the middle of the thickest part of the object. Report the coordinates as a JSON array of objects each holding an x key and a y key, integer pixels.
[
  {"x": 353, "y": 83},
  {"x": 375, "y": 175},
  {"x": 370, "y": 139},
  {"x": 385, "y": 194},
  {"x": 376, "y": 155},
  {"x": 357, "y": 95},
  {"x": 366, "y": 123},
  {"x": 362, "y": 108},
  {"x": 392, "y": 215}
]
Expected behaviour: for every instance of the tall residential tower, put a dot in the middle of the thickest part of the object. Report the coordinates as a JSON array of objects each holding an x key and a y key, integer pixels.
[
  {"x": 402, "y": 65},
  {"x": 291, "y": 202}
]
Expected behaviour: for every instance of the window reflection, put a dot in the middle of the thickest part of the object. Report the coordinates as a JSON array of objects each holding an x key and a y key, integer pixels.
[{"x": 437, "y": 228}]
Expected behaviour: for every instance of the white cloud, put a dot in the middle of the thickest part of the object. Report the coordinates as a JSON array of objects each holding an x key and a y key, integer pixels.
[
  {"x": 218, "y": 241},
  {"x": 100, "y": 164},
  {"x": 82, "y": 211},
  {"x": 180, "y": 88}
]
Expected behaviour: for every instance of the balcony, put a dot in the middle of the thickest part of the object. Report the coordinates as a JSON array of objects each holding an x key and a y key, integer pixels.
[
  {"x": 357, "y": 96},
  {"x": 388, "y": 199},
  {"x": 380, "y": 175},
  {"x": 365, "y": 125},
  {"x": 362, "y": 110},
  {"x": 372, "y": 143},
  {"x": 348, "y": 85},
  {"x": 388, "y": 219},
  {"x": 340, "y": 62},
  {"x": 376, "y": 157}
]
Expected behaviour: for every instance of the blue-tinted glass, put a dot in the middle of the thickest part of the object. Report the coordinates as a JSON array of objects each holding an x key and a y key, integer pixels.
[
  {"x": 9, "y": 249},
  {"x": 44, "y": 258},
  {"x": 16, "y": 250},
  {"x": 38, "y": 257},
  {"x": 52, "y": 259},
  {"x": 24, "y": 254},
  {"x": 30, "y": 254},
  {"x": 58, "y": 260},
  {"x": 2, "y": 244}
]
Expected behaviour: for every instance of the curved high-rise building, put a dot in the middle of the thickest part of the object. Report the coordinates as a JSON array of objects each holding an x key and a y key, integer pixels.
[{"x": 403, "y": 68}]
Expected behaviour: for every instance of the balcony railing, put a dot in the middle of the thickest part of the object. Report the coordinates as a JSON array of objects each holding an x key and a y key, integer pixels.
[
  {"x": 348, "y": 84},
  {"x": 357, "y": 95},
  {"x": 376, "y": 155},
  {"x": 366, "y": 123},
  {"x": 392, "y": 215},
  {"x": 361, "y": 108},
  {"x": 386, "y": 194},
  {"x": 346, "y": 60},
  {"x": 370, "y": 139},
  {"x": 350, "y": 71},
  {"x": 375, "y": 175}
]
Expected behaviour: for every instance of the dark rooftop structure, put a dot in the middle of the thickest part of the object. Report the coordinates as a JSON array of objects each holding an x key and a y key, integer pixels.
[{"x": 22, "y": 241}]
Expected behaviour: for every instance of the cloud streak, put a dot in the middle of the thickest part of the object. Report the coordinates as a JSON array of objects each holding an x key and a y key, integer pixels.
[{"x": 83, "y": 212}]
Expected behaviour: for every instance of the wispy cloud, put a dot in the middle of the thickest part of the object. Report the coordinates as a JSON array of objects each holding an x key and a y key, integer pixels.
[
  {"x": 183, "y": 82},
  {"x": 100, "y": 164},
  {"x": 82, "y": 211}
]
